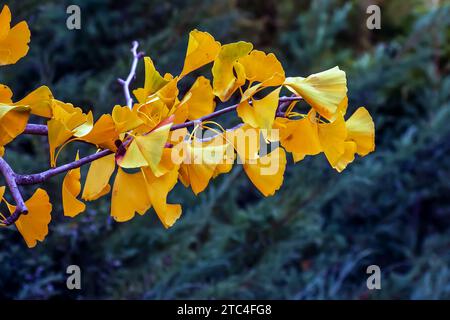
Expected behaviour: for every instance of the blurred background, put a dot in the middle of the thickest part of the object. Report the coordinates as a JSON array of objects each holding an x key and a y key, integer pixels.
[{"x": 315, "y": 238}]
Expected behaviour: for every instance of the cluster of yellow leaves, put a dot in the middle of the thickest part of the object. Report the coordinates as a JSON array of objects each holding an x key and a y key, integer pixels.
[{"x": 149, "y": 157}]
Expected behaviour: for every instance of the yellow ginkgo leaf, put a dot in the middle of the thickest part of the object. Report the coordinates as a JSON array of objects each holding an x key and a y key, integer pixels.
[
  {"x": 129, "y": 195},
  {"x": 298, "y": 156},
  {"x": 13, "y": 120},
  {"x": 201, "y": 101},
  {"x": 71, "y": 188},
  {"x": 262, "y": 112},
  {"x": 13, "y": 41},
  {"x": 299, "y": 136},
  {"x": 39, "y": 101},
  {"x": 58, "y": 134},
  {"x": 361, "y": 130},
  {"x": 2, "y": 192},
  {"x": 347, "y": 157},
  {"x": 34, "y": 226},
  {"x": 103, "y": 133},
  {"x": 202, "y": 49},
  {"x": 2, "y": 151},
  {"x": 267, "y": 172},
  {"x": 246, "y": 141},
  {"x": 180, "y": 110},
  {"x": 158, "y": 189},
  {"x": 153, "y": 81},
  {"x": 5, "y": 94},
  {"x": 264, "y": 68},
  {"x": 97, "y": 180},
  {"x": 332, "y": 138},
  {"x": 5, "y": 22},
  {"x": 324, "y": 91},
  {"x": 226, "y": 65},
  {"x": 199, "y": 163},
  {"x": 169, "y": 93},
  {"x": 85, "y": 127},
  {"x": 147, "y": 150},
  {"x": 125, "y": 119},
  {"x": 73, "y": 118}
]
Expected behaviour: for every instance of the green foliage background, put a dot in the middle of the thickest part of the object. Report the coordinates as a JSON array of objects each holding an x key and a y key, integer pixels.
[{"x": 315, "y": 238}]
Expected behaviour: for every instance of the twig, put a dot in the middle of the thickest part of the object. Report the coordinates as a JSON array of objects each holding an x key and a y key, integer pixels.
[
  {"x": 13, "y": 180},
  {"x": 126, "y": 83},
  {"x": 45, "y": 175},
  {"x": 38, "y": 129},
  {"x": 10, "y": 178}
]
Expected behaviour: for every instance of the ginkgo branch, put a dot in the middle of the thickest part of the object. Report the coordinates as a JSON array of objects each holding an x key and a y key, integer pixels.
[
  {"x": 126, "y": 83},
  {"x": 11, "y": 181},
  {"x": 14, "y": 180},
  {"x": 40, "y": 129}
]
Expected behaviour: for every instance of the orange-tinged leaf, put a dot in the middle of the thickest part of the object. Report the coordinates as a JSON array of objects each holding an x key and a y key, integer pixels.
[
  {"x": 324, "y": 91},
  {"x": 246, "y": 141},
  {"x": 299, "y": 136},
  {"x": 226, "y": 65},
  {"x": 13, "y": 41},
  {"x": 153, "y": 81},
  {"x": 125, "y": 119},
  {"x": 13, "y": 120},
  {"x": 97, "y": 180},
  {"x": 158, "y": 189},
  {"x": 129, "y": 196},
  {"x": 264, "y": 68},
  {"x": 2, "y": 192},
  {"x": 71, "y": 188},
  {"x": 261, "y": 114},
  {"x": 361, "y": 130},
  {"x": 5, "y": 94},
  {"x": 202, "y": 49},
  {"x": 39, "y": 101},
  {"x": 103, "y": 133},
  {"x": 347, "y": 157},
  {"x": 5, "y": 22},
  {"x": 267, "y": 172},
  {"x": 332, "y": 138},
  {"x": 58, "y": 134},
  {"x": 199, "y": 163},
  {"x": 34, "y": 226},
  {"x": 201, "y": 101}
]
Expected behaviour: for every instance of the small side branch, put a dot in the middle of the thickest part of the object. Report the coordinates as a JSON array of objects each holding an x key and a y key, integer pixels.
[
  {"x": 10, "y": 178},
  {"x": 36, "y": 129},
  {"x": 126, "y": 83},
  {"x": 45, "y": 175}
]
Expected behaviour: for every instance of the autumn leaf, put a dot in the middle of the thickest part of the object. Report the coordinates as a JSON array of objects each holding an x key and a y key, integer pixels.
[
  {"x": 202, "y": 49},
  {"x": 324, "y": 91},
  {"x": 33, "y": 226},
  {"x": 97, "y": 180},
  {"x": 71, "y": 188},
  {"x": 225, "y": 67},
  {"x": 13, "y": 41}
]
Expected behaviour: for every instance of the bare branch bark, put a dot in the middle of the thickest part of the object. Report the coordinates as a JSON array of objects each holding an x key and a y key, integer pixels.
[
  {"x": 10, "y": 178},
  {"x": 126, "y": 83}
]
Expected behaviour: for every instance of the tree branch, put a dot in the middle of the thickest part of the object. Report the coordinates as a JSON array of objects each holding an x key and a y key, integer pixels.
[
  {"x": 13, "y": 180},
  {"x": 126, "y": 83},
  {"x": 10, "y": 178},
  {"x": 45, "y": 175}
]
